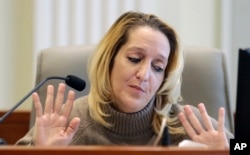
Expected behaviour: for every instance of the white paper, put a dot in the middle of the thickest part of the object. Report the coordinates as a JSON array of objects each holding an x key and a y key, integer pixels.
[{"x": 189, "y": 143}]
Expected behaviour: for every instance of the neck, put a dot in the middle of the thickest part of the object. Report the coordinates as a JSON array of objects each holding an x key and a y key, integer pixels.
[{"x": 130, "y": 124}]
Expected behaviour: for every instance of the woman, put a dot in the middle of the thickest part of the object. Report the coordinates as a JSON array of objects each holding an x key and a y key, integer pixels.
[{"x": 135, "y": 77}]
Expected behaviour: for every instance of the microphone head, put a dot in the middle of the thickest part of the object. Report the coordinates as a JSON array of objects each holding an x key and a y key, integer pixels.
[{"x": 75, "y": 82}]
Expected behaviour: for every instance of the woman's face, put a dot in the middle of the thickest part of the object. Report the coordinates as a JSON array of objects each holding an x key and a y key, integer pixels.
[{"x": 139, "y": 68}]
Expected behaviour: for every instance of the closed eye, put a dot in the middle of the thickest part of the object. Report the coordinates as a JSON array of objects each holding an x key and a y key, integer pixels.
[
  {"x": 134, "y": 60},
  {"x": 158, "y": 69}
]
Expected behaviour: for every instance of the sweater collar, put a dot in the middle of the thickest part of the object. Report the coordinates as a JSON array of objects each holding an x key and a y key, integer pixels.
[{"x": 130, "y": 124}]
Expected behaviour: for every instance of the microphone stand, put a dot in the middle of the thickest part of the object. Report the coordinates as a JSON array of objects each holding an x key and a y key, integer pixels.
[
  {"x": 2, "y": 141},
  {"x": 70, "y": 80},
  {"x": 30, "y": 93}
]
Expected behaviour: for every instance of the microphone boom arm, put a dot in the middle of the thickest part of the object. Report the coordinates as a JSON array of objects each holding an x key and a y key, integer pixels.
[{"x": 28, "y": 95}]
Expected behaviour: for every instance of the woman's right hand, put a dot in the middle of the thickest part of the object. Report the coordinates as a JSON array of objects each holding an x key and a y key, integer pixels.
[{"x": 51, "y": 125}]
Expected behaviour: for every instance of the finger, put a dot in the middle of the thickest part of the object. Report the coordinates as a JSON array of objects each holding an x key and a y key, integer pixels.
[
  {"x": 221, "y": 120},
  {"x": 193, "y": 119},
  {"x": 205, "y": 117},
  {"x": 59, "y": 98},
  {"x": 69, "y": 104},
  {"x": 49, "y": 100},
  {"x": 73, "y": 127},
  {"x": 187, "y": 126},
  {"x": 37, "y": 104}
]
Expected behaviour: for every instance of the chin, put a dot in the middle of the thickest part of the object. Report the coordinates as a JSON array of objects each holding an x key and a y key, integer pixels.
[
  {"x": 130, "y": 104},
  {"x": 133, "y": 108}
]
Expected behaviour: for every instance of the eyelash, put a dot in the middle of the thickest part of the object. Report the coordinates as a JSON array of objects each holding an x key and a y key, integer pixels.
[
  {"x": 136, "y": 60},
  {"x": 158, "y": 69}
]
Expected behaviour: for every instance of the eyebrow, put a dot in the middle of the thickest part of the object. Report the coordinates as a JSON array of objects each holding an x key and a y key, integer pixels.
[{"x": 163, "y": 57}]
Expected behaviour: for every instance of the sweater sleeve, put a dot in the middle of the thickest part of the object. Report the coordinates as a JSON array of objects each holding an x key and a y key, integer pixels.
[{"x": 27, "y": 139}]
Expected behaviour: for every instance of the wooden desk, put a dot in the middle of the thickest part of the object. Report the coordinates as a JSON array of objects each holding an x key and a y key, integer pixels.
[
  {"x": 107, "y": 150},
  {"x": 15, "y": 126}
]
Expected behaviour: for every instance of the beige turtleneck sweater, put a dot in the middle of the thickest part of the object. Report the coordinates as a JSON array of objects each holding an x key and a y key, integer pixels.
[{"x": 128, "y": 128}]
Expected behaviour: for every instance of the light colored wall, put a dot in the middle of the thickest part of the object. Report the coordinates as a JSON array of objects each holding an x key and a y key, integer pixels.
[
  {"x": 15, "y": 52},
  {"x": 198, "y": 22}
]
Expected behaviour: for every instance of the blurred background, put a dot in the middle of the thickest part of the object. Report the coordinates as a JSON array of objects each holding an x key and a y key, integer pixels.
[{"x": 27, "y": 26}]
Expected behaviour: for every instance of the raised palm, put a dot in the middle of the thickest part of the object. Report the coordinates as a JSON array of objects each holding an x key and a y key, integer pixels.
[{"x": 51, "y": 125}]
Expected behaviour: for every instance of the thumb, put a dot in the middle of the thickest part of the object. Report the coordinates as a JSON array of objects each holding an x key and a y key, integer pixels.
[{"x": 73, "y": 127}]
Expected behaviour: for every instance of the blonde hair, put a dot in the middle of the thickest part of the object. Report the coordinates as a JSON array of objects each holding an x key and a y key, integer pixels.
[{"x": 102, "y": 62}]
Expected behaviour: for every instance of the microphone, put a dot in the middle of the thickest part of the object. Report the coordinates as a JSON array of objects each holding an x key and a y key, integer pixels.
[
  {"x": 166, "y": 141},
  {"x": 71, "y": 80},
  {"x": 75, "y": 82}
]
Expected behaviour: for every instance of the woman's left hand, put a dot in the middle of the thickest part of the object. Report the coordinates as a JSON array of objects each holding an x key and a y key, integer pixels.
[{"x": 207, "y": 134}]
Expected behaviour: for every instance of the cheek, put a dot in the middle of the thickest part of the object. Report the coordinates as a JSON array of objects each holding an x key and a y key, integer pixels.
[
  {"x": 156, "y": 83},
  {"x": 121, "y": 77},
  {"x": 121, "y": 70},
  {"x": 119, "y": 74}
]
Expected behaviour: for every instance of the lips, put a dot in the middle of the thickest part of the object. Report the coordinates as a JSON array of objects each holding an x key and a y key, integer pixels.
[{"x": 137, "y": 88}]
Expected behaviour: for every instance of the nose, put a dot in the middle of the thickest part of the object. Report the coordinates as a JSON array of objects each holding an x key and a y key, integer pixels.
[{"x": 143, "y": 72}]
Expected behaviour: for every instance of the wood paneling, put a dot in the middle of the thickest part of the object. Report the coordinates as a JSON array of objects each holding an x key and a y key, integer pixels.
[
  {"x": 108, "y": 150},
  {"x": 15, "y": 126}
]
